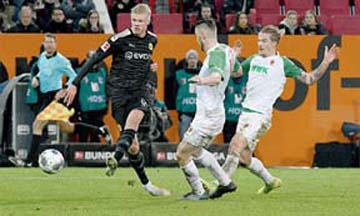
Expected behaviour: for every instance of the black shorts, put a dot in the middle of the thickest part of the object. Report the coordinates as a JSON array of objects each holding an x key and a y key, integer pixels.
[{"x": 122, "y": 105}]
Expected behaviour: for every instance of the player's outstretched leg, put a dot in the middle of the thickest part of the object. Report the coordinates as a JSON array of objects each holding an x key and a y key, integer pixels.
[
  {"x": 271, "y": 183},
  {"x": 225, "y": 184},
  {"x": 193, "y": 178}
]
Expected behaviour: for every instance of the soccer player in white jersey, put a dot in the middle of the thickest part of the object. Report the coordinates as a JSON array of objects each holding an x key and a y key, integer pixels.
[
  {"x": 267, "y": 72},
  {"x": 210, "y": 114}
]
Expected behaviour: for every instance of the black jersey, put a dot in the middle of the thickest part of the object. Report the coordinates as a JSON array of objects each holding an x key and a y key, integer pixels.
[{"x": 131, "y": 61}]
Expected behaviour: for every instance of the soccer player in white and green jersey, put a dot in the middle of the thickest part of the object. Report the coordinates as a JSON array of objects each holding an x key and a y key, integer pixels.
[
  {"x": 210, "y": 114},
  {"x": 267, "y": 72}
]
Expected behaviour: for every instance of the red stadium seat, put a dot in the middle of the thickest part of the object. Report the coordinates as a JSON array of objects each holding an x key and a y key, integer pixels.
[
  {"x": 300, "y": 6},
  {"x": 229, "y": 21},
  {"x": 192, "y": 19},
  {"x": 123, "y": 21},
  {"x": 345, "y": 24},
  {"x": 357, "y": 7},
  {"x": 218, "y": 5},
  {"x": 168, "y": 23},
  {"x": 334, "y": 7},
  {"x": 270, "y": 19},
  {"x": 267, "y": 6},
  {"x": 325, "y": 21}
]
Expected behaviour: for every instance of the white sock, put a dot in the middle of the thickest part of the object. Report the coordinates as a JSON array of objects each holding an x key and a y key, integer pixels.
[
  {"x": 148, "y": 186},
  {"x": 208, "y": 160},
  {"x": 193, "y": 177},
  {"x": 231, "y": 163},
  {"x": 257, "y": 167}
]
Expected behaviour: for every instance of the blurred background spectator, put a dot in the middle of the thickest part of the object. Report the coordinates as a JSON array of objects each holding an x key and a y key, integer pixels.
[
  {"x": 43, "y": 9},
  {"x": 242, "y": 25},
  {"x": 91, "y": 24},
  {"x": 312, "y": 25},
  {"x": 58, "y": 23},
  {"x": 120, "y": 6},
  {"x": 77, "y": 9},
  {"x": 186, "y": 91},
  {"x": 289, "y": 26},
  {"x": 25, "y": 23},
  {"x": 92, "y": 100}
]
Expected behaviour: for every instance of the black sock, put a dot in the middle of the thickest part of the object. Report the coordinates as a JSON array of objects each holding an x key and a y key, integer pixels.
[
  {"x": 31, "y": 157},
  {"x": 126, "y": 139},
  {"x": 138, "y": 163},
  {"x": 119, "y": 153}
]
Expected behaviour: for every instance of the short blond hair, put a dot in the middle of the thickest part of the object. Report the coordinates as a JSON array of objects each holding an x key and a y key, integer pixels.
[
  {"x": 142, "y": 9},
  {"x": 50, "y": 35},
  {"x": 273, "y": 31}
]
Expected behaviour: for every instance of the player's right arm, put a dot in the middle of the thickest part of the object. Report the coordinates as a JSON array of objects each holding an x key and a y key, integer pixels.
[{"x": 106, "y": 49}]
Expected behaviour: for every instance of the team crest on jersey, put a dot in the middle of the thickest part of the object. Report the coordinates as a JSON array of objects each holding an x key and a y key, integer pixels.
[
  {"x": 105, "y": 46},
  {"x": 151, "y": 46}
]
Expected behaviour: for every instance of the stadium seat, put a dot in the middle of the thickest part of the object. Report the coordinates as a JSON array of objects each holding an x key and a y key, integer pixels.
[
  {"x": 192, "y": 19},
  {"x": 123, "y": 21},
  {"x": 229, "y": 21},
  {"x": 269, "y": 19},
  {"x": 334, "y": 7},
  {"x": 300, "y": 6},
  {"x": 168, "y": 23},
  {"x": 357, "y": 7},
  {"x": 341, "y": 24},
  {"x": 325, "y": 21},
  {"x": 218, "y": 5},
  {"x": 267, "y": 7}
]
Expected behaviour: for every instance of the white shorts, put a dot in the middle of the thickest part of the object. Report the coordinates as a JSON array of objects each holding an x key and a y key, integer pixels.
[
  {"x": 205, "y": 126},
  {"x": 252, "y": 126}
]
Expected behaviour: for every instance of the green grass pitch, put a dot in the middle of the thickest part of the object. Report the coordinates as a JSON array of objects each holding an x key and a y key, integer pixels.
[{"x": 87, "y": 191}]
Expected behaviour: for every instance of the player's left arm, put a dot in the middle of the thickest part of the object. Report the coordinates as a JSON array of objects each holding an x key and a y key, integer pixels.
[
  {"x": 217, "y": 67},
  {"x": 329, "y": 56}
]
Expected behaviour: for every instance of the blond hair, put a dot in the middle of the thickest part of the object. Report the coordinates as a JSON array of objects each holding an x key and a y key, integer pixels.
[
  {"x": 142, "y": 9},
  {"x": 273, "y": 31},
  {"x": 50, "y": 35}
]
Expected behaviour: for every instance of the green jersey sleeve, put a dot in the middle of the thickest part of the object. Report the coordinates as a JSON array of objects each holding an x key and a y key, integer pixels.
[
  {"x": 217, "y": 62},
  {"x": 246, "y": 65},
  {"x": 290, "y": 68}
]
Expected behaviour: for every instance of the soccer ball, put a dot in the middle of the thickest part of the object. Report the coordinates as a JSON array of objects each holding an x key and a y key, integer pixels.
[{"x": 51, "y": 161}]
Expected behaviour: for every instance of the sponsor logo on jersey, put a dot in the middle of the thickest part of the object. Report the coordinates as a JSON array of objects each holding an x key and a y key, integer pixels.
[
  {"x": 259, "y": 69},
  {"x": 129, "y": 55},
  {"x": 151, "y": 46},
  {"x": 105, "y": 46}
]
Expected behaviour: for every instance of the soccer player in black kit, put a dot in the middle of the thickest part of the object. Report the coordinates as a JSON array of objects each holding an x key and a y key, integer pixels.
[{"x": 126, "y": 86}]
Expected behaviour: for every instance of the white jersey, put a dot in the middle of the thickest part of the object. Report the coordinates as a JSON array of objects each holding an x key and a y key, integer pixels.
[
  {"x": 266, "y": 80},
  {"x": 219, "y": 59}
]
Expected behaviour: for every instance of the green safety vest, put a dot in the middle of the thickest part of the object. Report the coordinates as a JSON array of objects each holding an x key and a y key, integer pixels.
[
  {"x": 31, "y": 93},
  {"x": 186, "y": 94},
  {"x": 92, "y": 91},
  {"x": 234, "y": 96}
]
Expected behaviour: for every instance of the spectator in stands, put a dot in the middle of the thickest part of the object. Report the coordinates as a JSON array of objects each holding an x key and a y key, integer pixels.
[
  {"x": 77, "y": 9},
  {"x": 7, "y": 11},
  {"x": 120, "y": 6},
  {"x": 58, "y": 23},
  {"x": 289, "y": 26},
  {"x": 186, "y": 95},
  {"x": 44, "y": 9},
  {"x": 92, "y": 100},
  {"x": 312, "y": 25},
  {"x": 242, "y": 25},
  {"x": 91, "y": 24},
  {"x": 207, "y": 12},
  {"x": 25, "y": 24},
  {"x": 230, "y": 7},
  {"x": 3, "y": 73}
]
